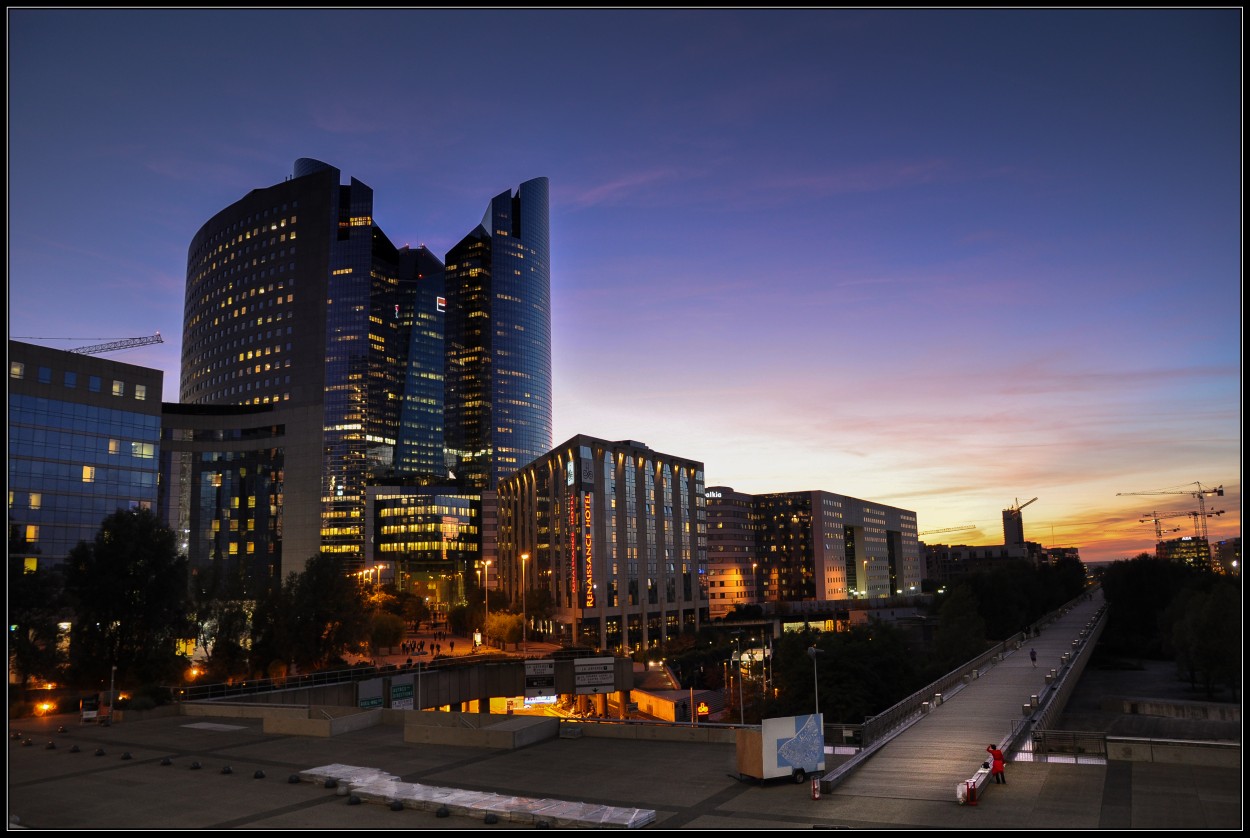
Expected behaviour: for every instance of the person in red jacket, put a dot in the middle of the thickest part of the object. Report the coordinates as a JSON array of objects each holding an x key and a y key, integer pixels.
[{"x": 997, "y": 762}]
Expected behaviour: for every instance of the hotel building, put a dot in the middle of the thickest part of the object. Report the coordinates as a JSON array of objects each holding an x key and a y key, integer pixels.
[{"x": 614, "y": 535}]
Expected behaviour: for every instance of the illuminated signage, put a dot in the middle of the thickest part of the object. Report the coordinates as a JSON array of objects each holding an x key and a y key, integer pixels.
[
  {"x": 440, "y": 303},
  {"x": 590, "y": 571},
  {"x": 572, "y": 535},
  {"x": 570, "y": 474},
  {"x": 712, "y": 494}
]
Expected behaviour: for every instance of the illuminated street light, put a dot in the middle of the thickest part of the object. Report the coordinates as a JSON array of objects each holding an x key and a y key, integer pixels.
[
  {"x": 525, "y": 557},
  {"x": 486, "y": 592}
]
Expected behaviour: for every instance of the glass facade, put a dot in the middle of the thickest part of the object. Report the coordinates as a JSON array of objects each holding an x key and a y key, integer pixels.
[
  {"x": 581, "y": 516},
  {"x": 76, "y": 455},
  {"x": 420, "y": 445},
  {"x": 498, "y": 339},
  {"x": 429, "y": 539},
  {"x": 222, "y": 481},
  {"x": 296, "y": 298}
]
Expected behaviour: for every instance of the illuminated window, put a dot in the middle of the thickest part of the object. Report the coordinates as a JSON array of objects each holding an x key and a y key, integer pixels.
[
  {"x": 119, "y": 388},
  {"x": 36, "y": 500},
  {"x": 88, "y": 474},
  {"x": 32, "y": 533},
  {"x": 17, "y": 370},
  {"x": 141, "y": 392},
  {"x": 115, "y": 446}
]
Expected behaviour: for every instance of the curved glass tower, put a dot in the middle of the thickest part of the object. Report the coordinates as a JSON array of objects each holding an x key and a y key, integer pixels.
[{"x": 498, "y": 340}]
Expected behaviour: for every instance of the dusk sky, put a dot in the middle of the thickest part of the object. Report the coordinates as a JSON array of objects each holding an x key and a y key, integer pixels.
[{"x": 943, "y": 260}]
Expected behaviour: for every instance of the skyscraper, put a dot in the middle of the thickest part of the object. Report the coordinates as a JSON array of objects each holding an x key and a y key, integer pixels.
[
  {"x": 498, "y": 340},
  {"x": 296, "y": 298}
]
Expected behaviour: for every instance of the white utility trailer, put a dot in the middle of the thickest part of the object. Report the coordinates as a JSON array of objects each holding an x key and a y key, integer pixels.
[{"x": 789, "y": 746}]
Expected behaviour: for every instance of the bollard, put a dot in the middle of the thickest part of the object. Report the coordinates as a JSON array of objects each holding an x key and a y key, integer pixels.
[
  {"x": 924, "y": 708},
  {"x": 1026, "y": 710},
  {"x": 976, "y": 673},
  {"x": 1034, "y": 700},
  {"x": 815, "y": 788},
  {"x": 937, "y": 699}
]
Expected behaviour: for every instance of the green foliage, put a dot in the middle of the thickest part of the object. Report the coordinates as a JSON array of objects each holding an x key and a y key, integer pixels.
[
  {"x": 35, "y": 607},
  {"x": 1138, "y": 592},
  {"x": 860, "y": 672},
  {"x": 960, "y": 631},
  {"x": 328, "y": 614},
  {"x": 1205, "y": 636},
  {"x": 130, "y": 600},
  {"x": 386, "y": 630},
  {"x": 503, "y": 627},
  {"x": 221, "y": 612}
]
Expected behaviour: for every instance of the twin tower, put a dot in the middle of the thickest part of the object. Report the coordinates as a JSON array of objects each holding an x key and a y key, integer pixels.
[{"x": 370, "y": 362}]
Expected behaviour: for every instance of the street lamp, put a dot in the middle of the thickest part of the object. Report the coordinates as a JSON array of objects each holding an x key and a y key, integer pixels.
[
  {"x": 486, "y": 595},
  {"x": 812, "y": 652},
  {"x": 737, "y": 659},
  {"x": 525, "y": 557}
]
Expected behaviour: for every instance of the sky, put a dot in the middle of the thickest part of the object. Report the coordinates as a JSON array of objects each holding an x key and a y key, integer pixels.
[{"x": 945, "y": 260}]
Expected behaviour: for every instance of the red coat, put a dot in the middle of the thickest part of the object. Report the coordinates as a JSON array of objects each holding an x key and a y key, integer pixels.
[{"x": 996, "y": 767}]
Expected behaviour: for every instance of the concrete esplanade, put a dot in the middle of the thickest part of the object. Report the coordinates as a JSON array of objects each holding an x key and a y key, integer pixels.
[{"x": 179, "y": 771}]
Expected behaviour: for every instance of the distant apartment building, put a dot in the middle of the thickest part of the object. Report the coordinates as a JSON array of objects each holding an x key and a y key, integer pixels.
[
  {"x": 84, "y": 442},
  {"x": 614, "y": 536}
]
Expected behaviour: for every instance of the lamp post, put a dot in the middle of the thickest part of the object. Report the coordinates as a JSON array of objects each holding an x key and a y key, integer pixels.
[
  {"x": 737, "y": 659},
  {"x": 112, "y": 678},
  {"x": 812, "y": 652},
  {"x": 486, "y": 596},
  {"x": 525, "y": 557}
]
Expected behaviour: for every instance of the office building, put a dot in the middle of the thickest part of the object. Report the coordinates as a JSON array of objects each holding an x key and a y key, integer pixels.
[
  {"x": 611, "y": 539},
  {"x": 427, "y": 541},
  {"x": 732, "y": 551},
  {"x": 498, "y": 340},
  {"x": 1191, "y": 550},
  {"x": 296, "y": 299},
  {"x": 84, "y": 442},
  {"x": 820, "y": 546}
]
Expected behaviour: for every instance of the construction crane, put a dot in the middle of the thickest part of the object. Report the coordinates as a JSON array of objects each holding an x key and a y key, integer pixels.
[
  {"x": 1158, "y": 519},
  {"x": 116, "y": 345},
  {"x": 949, "y": 529},
  {"x": 1020, "y": 506},
  {"x": 1201, "y": 493}
]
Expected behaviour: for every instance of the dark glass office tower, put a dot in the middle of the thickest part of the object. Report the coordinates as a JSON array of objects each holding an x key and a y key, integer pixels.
[
  {"x": 294, "y": 300},
  {"x": 498, "y": 340},
  {"x": 419, "y": 453}
]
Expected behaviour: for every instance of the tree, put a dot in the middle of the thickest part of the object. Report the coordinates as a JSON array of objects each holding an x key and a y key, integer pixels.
[
  {"x": 386, "y": 630},
  {"x": 328, "y": 617},
  {"x": 128, "y": 591},
  {"x": 35, "y": 608},
  {"x": 220, "y": 611},
  {"x": 961, "y": 630}
]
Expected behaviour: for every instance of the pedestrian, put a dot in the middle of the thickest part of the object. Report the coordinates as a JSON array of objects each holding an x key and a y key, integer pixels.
[
  {"x": 453, "y": 647},
  {"x": 1033, "y": 657},
  {"x": 997, "y": 763}
]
